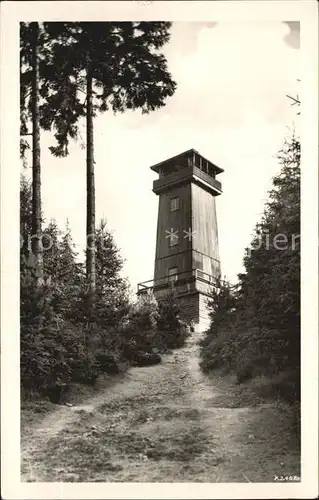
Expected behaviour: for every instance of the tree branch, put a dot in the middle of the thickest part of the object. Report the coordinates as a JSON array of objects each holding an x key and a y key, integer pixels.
[{"x": 296, "y": 100}]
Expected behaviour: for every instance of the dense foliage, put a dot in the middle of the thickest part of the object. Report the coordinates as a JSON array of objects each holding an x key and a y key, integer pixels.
[
  {"x": 153, "y": 327},
  {"x": 173, "y": 330},
  {"x": 255, "y": 326},
  {"x": 60, "y": 339}
]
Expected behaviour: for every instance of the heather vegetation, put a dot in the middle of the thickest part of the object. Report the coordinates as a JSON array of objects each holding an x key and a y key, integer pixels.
[{"x": 255, "y": 324}]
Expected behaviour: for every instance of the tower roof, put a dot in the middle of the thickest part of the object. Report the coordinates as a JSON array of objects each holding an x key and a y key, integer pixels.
[{"x": 189, "y": 153}]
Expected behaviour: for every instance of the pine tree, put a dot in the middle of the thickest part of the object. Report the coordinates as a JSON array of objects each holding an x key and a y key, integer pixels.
[
  {"x": 222, "y": 303},
  {"x": 31, "y": 41},
  {"x": 35, "y": 83},
  {"x": 25, "y": 214},
  {"x": 112, "y": 293},
  {"x": 115, "y": 65},
  {"x": 109, "y": 262},
  {"x": 272, "y": 278},
  {"x": 70, "y": 270},
  {"x": 256, "y": 328},
  {"x": 28, "y": 262},
  {"x": 51, "y": 243}
]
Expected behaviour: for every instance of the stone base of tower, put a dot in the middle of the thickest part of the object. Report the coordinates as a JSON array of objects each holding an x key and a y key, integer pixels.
[{"x": 193, "y": 310}]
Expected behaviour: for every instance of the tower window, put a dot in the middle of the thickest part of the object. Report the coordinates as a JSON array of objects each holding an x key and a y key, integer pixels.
[
  {"x": 172, "y": 274},
  {"x": 174, "y": 204},
  {"x": 173, "y": 238}
]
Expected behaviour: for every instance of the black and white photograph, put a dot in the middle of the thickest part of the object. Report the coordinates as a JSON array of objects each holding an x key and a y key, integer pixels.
[{"x": 164, "y": 299}]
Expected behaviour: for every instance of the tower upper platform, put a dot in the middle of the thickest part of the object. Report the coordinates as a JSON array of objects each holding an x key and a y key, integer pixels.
[{"x": 189, "y": 166}]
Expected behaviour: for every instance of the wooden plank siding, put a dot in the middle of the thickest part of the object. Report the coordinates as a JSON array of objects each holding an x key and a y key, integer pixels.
[
  {"x": 204, "y": 224},
  {"x": 179, "y": 255}
]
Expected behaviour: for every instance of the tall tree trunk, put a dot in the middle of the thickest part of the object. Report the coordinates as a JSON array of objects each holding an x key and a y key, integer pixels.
[
  {"x": 90, "y": 187},
  {"x": 36, "y": 159}
]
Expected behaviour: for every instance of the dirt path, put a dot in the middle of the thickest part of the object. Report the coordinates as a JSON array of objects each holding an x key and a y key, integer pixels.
[{"x": 165, "y": 423}]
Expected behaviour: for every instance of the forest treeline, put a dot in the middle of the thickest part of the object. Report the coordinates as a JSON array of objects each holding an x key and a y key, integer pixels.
[{"x": 255, "y": 325}]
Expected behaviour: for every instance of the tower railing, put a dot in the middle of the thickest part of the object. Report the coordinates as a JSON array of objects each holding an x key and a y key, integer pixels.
[
  {"x": 207, "y": 177},
  {"x": 186, "y": 174},
  {"x": 178, "y": 278}
]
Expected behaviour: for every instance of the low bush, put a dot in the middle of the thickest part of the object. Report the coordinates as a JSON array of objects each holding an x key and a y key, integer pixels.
[
  {"x": 138, "y": 329},
  {"x": 250, "y": 353},
  {"x": 56, "y": 352},
  {"x": 107, "y": 363},
  {"x": 145, "y": 358},
  {"x": 151, "y": 328},
  {"x": 284, "y": 385}
]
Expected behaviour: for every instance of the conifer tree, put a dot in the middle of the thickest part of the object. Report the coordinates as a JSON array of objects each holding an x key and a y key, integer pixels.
[
  {"x": 272, "y": 279},
  {"x": 115, "y": 66},
  {"x": 25, "y": 214},
  {"x": 35, "y": 83},
  {"x": 173, "y": 330},
  {"x": 256, "y": 328},
  {"x": 112, "y": 293},
  {"x": 30, "y": 80}
]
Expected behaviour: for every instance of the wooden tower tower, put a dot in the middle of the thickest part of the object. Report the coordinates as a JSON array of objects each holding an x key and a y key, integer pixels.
[{"x": 187, "y": 254}]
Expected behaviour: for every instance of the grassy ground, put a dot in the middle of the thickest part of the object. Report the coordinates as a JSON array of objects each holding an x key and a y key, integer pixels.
[{"x": 165, "y": 423}]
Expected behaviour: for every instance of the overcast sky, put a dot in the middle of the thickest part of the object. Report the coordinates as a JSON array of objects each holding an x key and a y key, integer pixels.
[{"x": 230, "y": 105}]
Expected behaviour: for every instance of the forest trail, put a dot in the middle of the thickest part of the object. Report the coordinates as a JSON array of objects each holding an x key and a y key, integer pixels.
[{"x": 164, "y": 423}]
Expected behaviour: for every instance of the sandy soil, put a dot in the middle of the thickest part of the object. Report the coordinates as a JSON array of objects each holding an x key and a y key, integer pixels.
[{"x": 165, "y": 423}]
